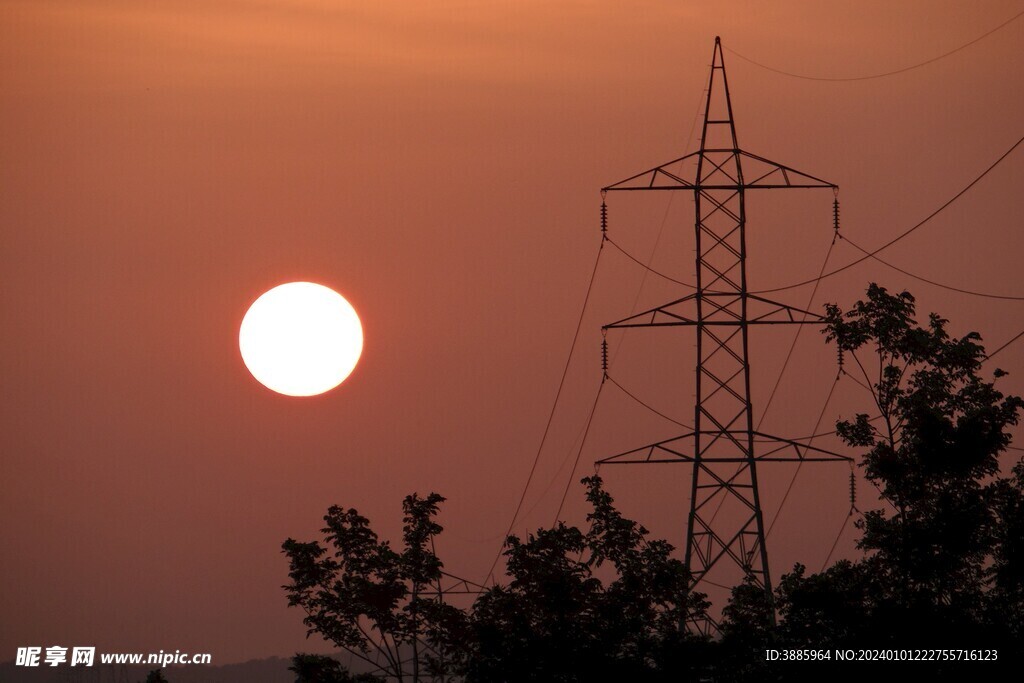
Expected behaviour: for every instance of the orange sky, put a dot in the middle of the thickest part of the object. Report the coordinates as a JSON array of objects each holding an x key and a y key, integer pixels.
[{"x": 164, "y": 163}]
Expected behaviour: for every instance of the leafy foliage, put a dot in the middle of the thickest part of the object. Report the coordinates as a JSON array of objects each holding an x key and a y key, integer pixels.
[
  {"x": 371, "y": 600},
  {"x": 933, "y": 453},
  {"x": 1006, "y": 597},
  {"x": 944, "y": 558},
  {"x": 558, "y": 621}
]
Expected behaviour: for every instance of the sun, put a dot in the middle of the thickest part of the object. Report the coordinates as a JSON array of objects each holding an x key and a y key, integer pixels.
[{"x": 301, "y": 339}]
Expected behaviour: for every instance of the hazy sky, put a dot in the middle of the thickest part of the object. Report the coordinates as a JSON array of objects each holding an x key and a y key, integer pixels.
[{"x": 163, "y": 163}]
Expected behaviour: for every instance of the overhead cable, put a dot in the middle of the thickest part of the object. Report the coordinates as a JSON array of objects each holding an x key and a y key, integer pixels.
[
  {"x": 905, "y": 233},
  {"x": 885, "y": 73},
  {"x": 647, "y": 267},
  {"x": 987, "y": 295},
  {"x": 551, "y": 414}
]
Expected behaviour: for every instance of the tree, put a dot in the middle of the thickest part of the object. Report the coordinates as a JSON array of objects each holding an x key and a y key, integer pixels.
[
  {"x": 606, "y": 604},
  {"x": 1005, "y": 604},
  {"x": 371, "y": 600},
  {"x": 933, "y": 452},
  {"x": 746, "y": 630},
  {"x": 943, "y": 563},
  {"x": 559, "y": 620},
  {"x": 321, "y": 669},
  {"x": 946, "y": 558}
]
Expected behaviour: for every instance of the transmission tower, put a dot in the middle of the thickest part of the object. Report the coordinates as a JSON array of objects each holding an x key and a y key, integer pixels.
[{"x": 726, "y": 447}]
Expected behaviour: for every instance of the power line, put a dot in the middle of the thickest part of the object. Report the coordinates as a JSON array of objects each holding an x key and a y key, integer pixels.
[
  {"x": 576, "y": 443},
  {"x": 884, "y": 74},
  {"x": 785, "y": 496},
  {"x": 1015, "y": 338},
  {"x": 829, "y": 433},
  {"x": 551, "y": 415},
  {"x": 796, "y": 336},
  {"x": 987, "y": 295},
  {"x": 648, "y": 267},
  {"x": 836, "y": 542},
  {"x": 899, "y": 237},
  {"x": 576, "y": 462},
  {"x": 717, "y": 585},
  {"x": 649, "y": 407},
  {"x": 858, "y": 382}
]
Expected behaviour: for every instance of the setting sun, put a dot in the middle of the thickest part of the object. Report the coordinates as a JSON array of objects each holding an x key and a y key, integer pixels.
[{"x": 300, "y": 339}]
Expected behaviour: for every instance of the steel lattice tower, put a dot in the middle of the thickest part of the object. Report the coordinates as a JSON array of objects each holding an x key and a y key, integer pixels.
[{"x": 726, "y": 447}]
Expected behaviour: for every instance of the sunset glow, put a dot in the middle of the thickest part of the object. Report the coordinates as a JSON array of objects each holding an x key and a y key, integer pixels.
[{"x": 167, "y": 165}]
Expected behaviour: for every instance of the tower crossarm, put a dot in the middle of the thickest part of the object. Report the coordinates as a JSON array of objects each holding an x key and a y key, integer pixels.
[
  {"x": 669, "y": 450},
  {"x": 720, "y": 308},
  {"x": 758, "y": 174},
  {"x": 778, "y": 449},
  {"x": 449, "y": 584},
  {"x": 675, "y": 450}
]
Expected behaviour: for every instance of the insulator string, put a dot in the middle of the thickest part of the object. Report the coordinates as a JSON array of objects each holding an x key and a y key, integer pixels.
[
  {"x": 853, "y": 491},
  {"x": 604, "y": 359}
]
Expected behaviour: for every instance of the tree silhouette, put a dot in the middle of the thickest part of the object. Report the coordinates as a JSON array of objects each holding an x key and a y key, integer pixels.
[
  {"x": 943, "y": 562},
  {"x": 369, "y": 599},
  {"x": 579, "y": 605},
  {"x": 321, "y": 669},
  {"x": 934, "y": 455},
  {"x": 557, "y": 620},
  {"x": 1005, "y": 605},
  {"x": 947, "y": 558}
]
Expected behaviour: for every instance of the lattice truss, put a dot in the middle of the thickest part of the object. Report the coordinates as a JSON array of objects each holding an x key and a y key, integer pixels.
[{"x": 724, "y": 448}]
